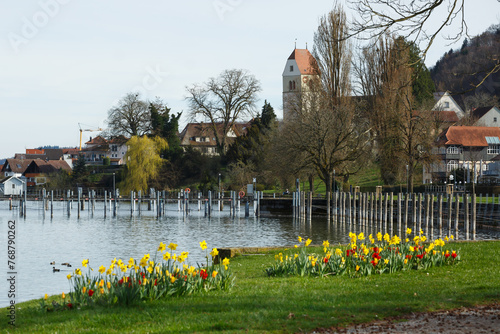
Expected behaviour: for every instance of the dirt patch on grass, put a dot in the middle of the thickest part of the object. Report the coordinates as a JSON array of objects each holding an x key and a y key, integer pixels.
[{"x": 479, "y": 319}]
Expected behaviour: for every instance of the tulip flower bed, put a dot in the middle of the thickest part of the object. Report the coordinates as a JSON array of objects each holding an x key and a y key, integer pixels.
[
  {"x": 167, "y": 274},
  {"x": 361, "y": 257}
]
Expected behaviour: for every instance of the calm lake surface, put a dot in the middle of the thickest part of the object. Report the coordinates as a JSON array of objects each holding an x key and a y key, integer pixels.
[{"x": 39, "y": 241}]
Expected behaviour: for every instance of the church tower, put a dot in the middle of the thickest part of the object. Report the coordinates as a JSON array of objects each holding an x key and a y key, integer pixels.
[{"x": 299, "y": 69}]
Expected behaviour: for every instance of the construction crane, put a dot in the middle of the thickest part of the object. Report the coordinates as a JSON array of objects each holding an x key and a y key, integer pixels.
[{"x": 86, "y": 130}]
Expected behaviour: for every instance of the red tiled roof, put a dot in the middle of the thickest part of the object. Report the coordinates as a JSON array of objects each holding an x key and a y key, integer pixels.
[
  {"x": 470, "y": 136},
  {"x": 305, "y": 61},
  {"x": 448, "y": 116}
]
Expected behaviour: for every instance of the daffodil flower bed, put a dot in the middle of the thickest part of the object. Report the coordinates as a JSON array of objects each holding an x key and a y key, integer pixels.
[
  {"x": 167, "y": 274},
  {"x": 361, "y": 257}
]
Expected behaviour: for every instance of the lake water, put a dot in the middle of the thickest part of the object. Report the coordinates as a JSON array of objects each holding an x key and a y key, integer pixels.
[{"x": 39, "y": 241}]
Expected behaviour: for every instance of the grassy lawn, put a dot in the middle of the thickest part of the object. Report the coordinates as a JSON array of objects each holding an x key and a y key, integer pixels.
[{"x": 259, "y": 304}]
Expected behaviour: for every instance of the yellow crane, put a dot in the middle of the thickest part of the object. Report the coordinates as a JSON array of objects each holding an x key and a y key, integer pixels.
[{"x": 86, "y": 130}]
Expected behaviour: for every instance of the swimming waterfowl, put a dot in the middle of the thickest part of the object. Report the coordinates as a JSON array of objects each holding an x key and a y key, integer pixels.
[
  {"x": 54, "y": 269},
  {"x": 53, "y": 262}
]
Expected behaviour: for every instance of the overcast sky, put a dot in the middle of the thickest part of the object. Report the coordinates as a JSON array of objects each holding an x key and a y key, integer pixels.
[{"x": 65, "y": 62}]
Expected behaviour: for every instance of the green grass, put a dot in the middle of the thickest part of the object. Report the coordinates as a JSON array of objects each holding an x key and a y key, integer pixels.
[{"x": 259, "y": 304}]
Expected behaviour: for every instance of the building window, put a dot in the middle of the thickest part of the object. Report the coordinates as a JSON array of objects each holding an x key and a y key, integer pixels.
[
  {"x": 451, "y": 165},
  {"x": 447, "y": 104},
  {"x": 493, "y": 149},
  {"x": 291, "y": 68},
  {"x": 290, "y": 85},
  {"x": 293, "y": 85},
  {"x": 494, "y": 119},
  {"x": 453, "y": 150}
]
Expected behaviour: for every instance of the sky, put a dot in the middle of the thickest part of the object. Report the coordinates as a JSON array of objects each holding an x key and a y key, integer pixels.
[{"x": 65, "y": 62}]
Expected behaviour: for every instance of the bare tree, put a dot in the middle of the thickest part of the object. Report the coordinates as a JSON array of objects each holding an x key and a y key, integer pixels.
[
  {"x": 325, "y": 130},
  {"x": 403, "y": 132},
  {"x": 130, "y": 117},
  {"x": 412, "y": 19},
  {"x": 223, "y": 100}
]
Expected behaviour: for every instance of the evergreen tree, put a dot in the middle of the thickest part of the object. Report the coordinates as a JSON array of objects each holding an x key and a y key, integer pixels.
[
  {"x": 79, "y": 169},
  {"x": 422, "y": 84}
]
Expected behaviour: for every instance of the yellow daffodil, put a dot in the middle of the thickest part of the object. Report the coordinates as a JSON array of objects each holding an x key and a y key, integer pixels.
[
  {"x": 85, "y": 262},
  {"x": 101, "y": 290},
  {"x": 361, "y": 236},
  {"x": 161, "y": 247},
  {"x": 109, "y": 271},
  {"x": 172, "y": 246},
  {"x": 102, "y": 269},
  {"x": 214, "y": 252},
  {"x": 379, "y": 236},
  {"x": 338, "y": 252},
  {"x": 46, "y": 296},
  {"x": 308, "y": 242},
  {"x": 386, "y": 261},
  {"x": 131, "y": 261},
  {"x": 150, "y": 269},
  {"x": 69, "y": 276},
  {"x": 166, "y": 256},
  {"x": 295, "y": 246},
  {"x": 451, "y": 237},
  {"x": 412, "y": 249},
  {"x": 408, "y": 231},
  {"x": 357, "y": 268},
  {"x": 387, "y": 238},
  {"x": 78, "y": 272},
  {"x": 172, "y": 279},
  {"x": 113, "y": 261},
  {"x": 296, "y": 256},
  {"x": 326, "y": 243},
  {"x": 174, "y": 257},
  {"x": 203, "y": 245},
  {"x": 299, "y": 238}
]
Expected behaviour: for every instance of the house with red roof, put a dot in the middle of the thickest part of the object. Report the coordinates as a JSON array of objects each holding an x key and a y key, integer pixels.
[
  {"x": 200, "y": 136},
  {"x": 476, "y": 149}
]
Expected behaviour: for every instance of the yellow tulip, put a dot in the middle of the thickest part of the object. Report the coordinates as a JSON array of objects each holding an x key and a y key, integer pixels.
[
  {"x": 84, "y": 289},
  {"x": 108, "y": 284},
  {"x": 172, "y": 279},
  {"x": 63, "y": 296},
  {"x": 214, "y": 273},
  {"x": 46, "y": 296}
]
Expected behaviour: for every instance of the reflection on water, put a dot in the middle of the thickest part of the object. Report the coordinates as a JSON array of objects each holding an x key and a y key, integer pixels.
[{"x": 61, "y": 239}]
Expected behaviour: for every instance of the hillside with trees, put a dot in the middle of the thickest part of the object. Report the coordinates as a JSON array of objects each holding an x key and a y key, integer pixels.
[{"x": 463, "y": 71}]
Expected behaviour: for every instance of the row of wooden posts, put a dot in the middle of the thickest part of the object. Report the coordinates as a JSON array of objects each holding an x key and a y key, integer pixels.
[
  {"x": 415, "y": 211},
  {"x": 156, "y": 201}
]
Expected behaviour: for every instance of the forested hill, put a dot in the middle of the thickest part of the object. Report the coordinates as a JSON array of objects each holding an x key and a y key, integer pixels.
[{"x": 458, "y": 71}]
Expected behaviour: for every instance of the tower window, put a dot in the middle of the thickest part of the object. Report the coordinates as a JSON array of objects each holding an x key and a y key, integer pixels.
[
  {"x": 290, "y": 86},
  {"x": 294, "y": 85},
  {"x": 291, "y": 68}
]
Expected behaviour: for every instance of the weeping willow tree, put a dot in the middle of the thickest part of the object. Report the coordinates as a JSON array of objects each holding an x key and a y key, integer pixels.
[{"x": 143, "y": 162}]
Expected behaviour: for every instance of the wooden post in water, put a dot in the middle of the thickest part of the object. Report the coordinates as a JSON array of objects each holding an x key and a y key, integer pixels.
[
  {"x": 139, "y": 196},
  {"x": 450, "y": 206},
  {"x": 385, "y": 212},
  {"x": 399, "y": 214},
  {"x": 466, "y": 216},
  {"x": 79, "y": 198},
  {"x": 457, "y": 214},
  {"x": 309, "y": 204},
  {"x": 432, "y": 217},
  {"x": 328, "y": 199},
  {"x": 473, "y": 216},
  {"x": 348, "y": 212},
  {"x": 440, "y": 217},
  {"x": 52, "y": 204},
  {"x": 44, "y": 198},
  {"x": 407, "y": 209},
  {"x": 105, "y": 201}
]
